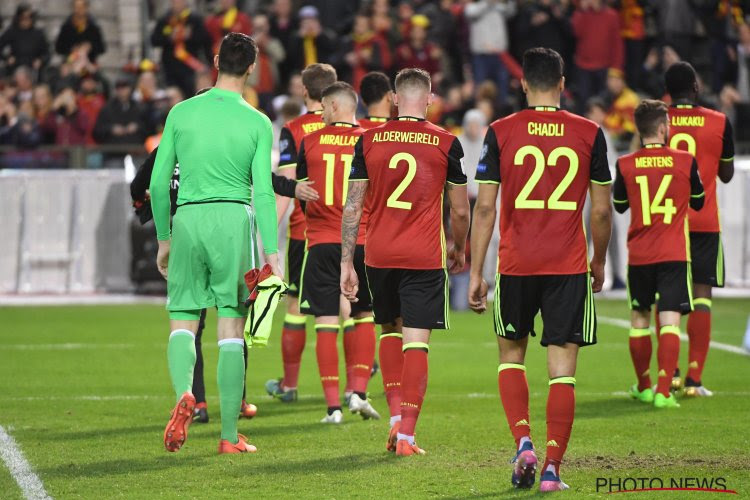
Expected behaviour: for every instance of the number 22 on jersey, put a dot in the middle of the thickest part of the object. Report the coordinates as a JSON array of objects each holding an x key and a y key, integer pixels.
[{"x": 554, "y": 202}]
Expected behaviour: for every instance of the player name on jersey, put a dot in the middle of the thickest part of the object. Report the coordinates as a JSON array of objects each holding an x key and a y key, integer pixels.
[
  {"x": 410, "y": 137},
  {"x": 654, "y": 162},
  {"x": 338, "y": 140},
  {"x": 688, "y": 121},
  {"x": 309, "y": 128},
  {"x": 546, "y": 129}
]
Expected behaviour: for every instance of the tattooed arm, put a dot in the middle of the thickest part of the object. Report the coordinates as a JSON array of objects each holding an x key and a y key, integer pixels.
[{"x": 349, "y": 231}]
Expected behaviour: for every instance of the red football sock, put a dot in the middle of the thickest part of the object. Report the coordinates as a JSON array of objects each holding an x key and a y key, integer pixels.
[
  {"x": 293, "y": 338},
  {"x": 667, "y": 354},
  {"x": 364, "y": 353},
  {"x": 349, "y": 352},
  {"x": 391, "y": 365},
  {"x": 640, "y": 353},
  {"x": 699, "y": 332},
  {"x": 326, "y": 350},
  {"x": 561, "y": 408},
  {"x": 413, "y": 388},
  {"x": 514, "y": 394}
]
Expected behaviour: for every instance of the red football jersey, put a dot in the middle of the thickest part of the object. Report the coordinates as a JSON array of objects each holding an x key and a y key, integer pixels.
[
  {"x": 289, "y": 142},
  {"x": 657, "y": 183},
  {"x": 325, "y": 157},
  {"x": 407, "y": 162},
  {"x": 369, "y": 122},
  {"x": 544, "y": 160},
  {"x": 707, "y": 135}
]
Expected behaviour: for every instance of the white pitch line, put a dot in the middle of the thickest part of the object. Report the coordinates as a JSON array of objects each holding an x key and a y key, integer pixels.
[
  {"x": 20, "y": 468},
  {"x": 623, "y": 323},
  {"x": 63, "y": 347}
]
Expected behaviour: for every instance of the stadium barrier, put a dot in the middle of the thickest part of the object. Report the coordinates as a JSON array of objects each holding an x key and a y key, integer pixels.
[{"x": 72, "y": 231}]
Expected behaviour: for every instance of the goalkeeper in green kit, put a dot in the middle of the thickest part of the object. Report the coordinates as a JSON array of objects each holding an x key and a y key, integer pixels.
[{"x": 223, "y": 147}]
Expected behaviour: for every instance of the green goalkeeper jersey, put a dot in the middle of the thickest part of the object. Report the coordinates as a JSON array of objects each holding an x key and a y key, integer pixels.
[{"x": 222, "y": 146}]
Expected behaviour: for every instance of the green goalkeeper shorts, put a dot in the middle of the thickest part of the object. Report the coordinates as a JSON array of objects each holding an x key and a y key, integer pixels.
[{"x": 213, "y": 246}]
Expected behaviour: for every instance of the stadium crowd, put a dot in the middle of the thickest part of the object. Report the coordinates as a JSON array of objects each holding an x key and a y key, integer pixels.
[{"x": 616, "y": 52}]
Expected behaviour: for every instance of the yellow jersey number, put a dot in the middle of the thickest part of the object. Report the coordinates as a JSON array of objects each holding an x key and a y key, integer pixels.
[
  {"x": 554, "y": 203},
  {"x": 659, "y": 205},
  {"x": 411, "y": 165},
  {"x": 688, "y": 139},
  {"x": 330, "y": 160}
]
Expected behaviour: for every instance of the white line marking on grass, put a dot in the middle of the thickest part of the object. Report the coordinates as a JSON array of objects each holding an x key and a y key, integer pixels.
[
  {"x": 63, "y": 347},
  {"x": 84, "y": 398},
  {"x": 20, "y": 468},
  {"x": 623, "y": 323}
]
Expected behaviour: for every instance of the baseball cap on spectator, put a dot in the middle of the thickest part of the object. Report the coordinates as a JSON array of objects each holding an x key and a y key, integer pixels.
[
  {"x": 308, "y": 12},
  {"x": 420, "y": 20}
]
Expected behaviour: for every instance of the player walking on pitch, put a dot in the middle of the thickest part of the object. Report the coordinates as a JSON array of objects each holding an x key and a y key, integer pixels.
[
  {"x": 325, "y": 158},
  {"x": 223, "y": 146},
  {"x": 403, "y": 168},
  {"x": 707, "y": 135},
  {"x": 658, "y": 184},
  {"x": 315, "y": 78},
  {"x": 546, "y": 160}
]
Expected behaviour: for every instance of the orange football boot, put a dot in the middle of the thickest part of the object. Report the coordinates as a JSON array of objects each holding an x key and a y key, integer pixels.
[
  {"x": 390, "y": 445},
  {"x": 242, "y": 446},
  {"x": 404, "y": 449},
  {"x": 176, "y": 431},
  {"x": 248, "y": 410}
]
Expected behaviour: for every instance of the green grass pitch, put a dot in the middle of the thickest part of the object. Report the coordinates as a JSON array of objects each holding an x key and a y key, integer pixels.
[{"x": 85, "y": 393}]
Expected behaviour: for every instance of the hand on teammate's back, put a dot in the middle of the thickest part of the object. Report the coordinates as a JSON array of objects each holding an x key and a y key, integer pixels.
[
  {"x": 478, "y": 294},
  {"x": 305, "y": 192},
  {"x": 349, "y": 282},
  {"x": 162, "y": 257}
]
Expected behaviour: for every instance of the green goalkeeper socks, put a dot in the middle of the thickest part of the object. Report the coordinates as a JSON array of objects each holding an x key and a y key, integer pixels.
[
  {"x": 181, "y": 358},
  {"x": 230, "y": 376}
]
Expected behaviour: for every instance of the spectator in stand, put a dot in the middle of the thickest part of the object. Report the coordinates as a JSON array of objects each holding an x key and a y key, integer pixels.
[
  {"x": 27, "y": 44},
  {"x": 472, "y": 140},
  {"x": 677, "y": 25},
  {"x": 361, "y": 52},
  {"x": 722, "y": 20},
  {"x": 313, "y": 43},
  {"x": 488, "y": 38},
  {"x": 23, "y": 83},
  {"x": 652, "y": 71},
  {"x": 599, "y": 47},
  {"x": 90, "y": 101},
  {"x": 418, "y": 52},
  {"x": 622, "y": 101},
  {"x": 228, "y": 18},
  {"x": 633, "y": 30},
  {"x": 743, "y": 63},
  {"x": 545, "y": 23},
  {"x": 121, "y": 119},
  {"x": 17, "y": 124},
  {"x": 42, "y": 110},
  {"x": 69, "y": 124},
  {"x": 150, "y": 97},
  {"x": 385, "y": 22},
  {"x": 183, "y": 39},
  {"x": 271, "y": 53},
  {"x": 449, "y": 29},
  {"x": 283, "y": 27},
  {"x": 404, "y": 15},
  {"x": 454, "y": 110},
  {"x": 78, "y": 29}
]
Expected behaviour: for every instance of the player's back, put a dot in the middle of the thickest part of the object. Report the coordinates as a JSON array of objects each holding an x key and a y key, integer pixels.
[
  {"x": 658, "y": 184},
  {"x": 705, "y": 134},
  {"x": 215, "y": 137},
  {"x": 289, "y": 145},
  {"x": 326, "y": 159},
  {"x": 408, "y": 162},
  {"x": 547, "y": 159}
]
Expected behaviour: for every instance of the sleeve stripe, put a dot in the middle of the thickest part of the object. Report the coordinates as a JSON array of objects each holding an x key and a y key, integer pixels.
[
  {"x": 457, "y": 183},
  {"x": 602, "y": 183},
  {"x": 486, "y": 182},
  {"x": 357, "y": 180},
  {"x": 728, "y": 159},
  {"x": 302, "y": 180},
  {"x": 698, "y": 195},
  {"x": 288, "y": 165},
  {"x": 620, "y": 201}
]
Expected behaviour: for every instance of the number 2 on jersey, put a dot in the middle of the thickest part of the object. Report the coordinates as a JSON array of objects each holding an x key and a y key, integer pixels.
[
  {"x": 330, "y": 160},
  {"x": 411, "y": 164},
  {"x": 554, "y": 203},
  {"x": 659, "y": 205}
]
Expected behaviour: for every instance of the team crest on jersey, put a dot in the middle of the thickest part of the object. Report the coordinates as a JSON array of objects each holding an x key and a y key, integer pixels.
[
  {"x": 481, "y": 168},
  {"x": 283, "y": 144}
]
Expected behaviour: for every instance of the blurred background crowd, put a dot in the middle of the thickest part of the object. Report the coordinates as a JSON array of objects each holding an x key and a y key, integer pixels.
[{"x": 55, "y": 93}]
